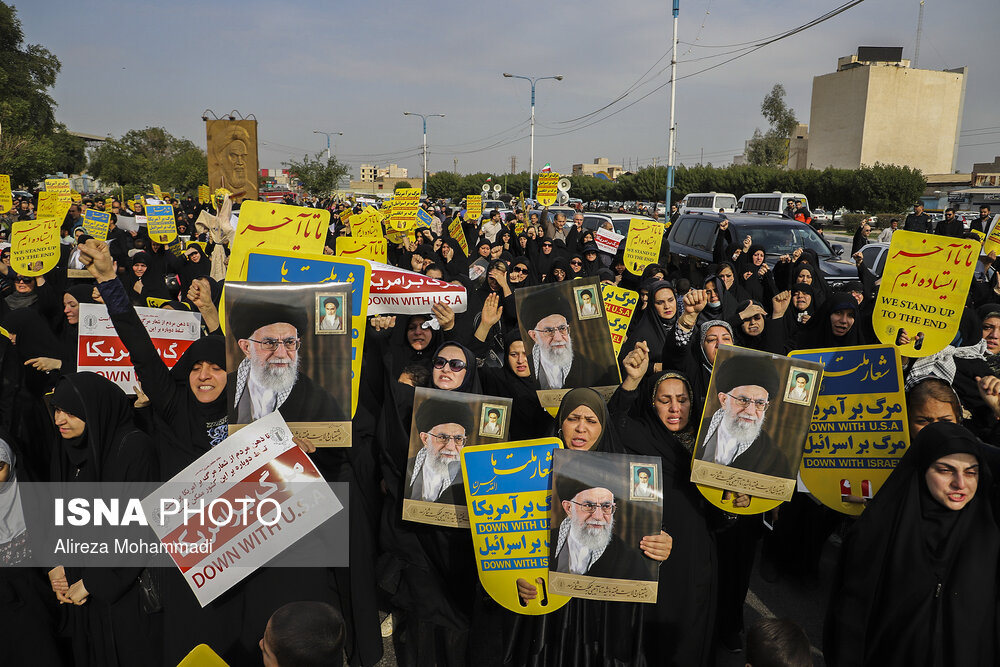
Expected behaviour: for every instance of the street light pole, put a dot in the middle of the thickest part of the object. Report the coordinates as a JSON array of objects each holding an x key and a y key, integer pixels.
[
  {"x": 673, "y": 127},
  {"x": 531, "y": 156},
  {"x": 424, "y": 117},
  {"x": 328, "y": 140}
]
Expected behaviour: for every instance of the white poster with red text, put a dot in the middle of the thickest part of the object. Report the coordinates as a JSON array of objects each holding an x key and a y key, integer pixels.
[
  {"x": 99, "y": 349},
  {"x": 238, "y": 506},
  {"x": 608, "y": 241},
  {"x": 396, "y": 291}
]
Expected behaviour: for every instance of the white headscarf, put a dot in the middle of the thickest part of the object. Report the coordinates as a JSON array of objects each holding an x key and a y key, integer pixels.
[{"x": 11, "y": 514}]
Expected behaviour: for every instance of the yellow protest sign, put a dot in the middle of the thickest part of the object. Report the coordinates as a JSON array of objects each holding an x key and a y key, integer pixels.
[
  {"x": 6, "y": 199},
  {"x": 75, "y": 196},
  {"x": 267, "y": 226},
  {"x": 154, "y": 302},
  {"x": 96, "y": 223},
  {"x": 52, "y": 205},
  {"x": 160, "y": 223},
  {"x": 365, "y": 226},
  {"x": 508, "y": 491},
  {"x": 642, "y": 245},
  {"x": 371, "y": 249},
  {"x": 405, "y": 203},
  {"x": 34, "y": 246},
  {"x": 859, "y": 429},
  {"x": 548, "y": 188},
  {"x": 203, "y": 195},
  {"x": 456, "y": 232},
  {"x": 992, "y": 242},
  {"x": 157, "y": 191},
  {"x": 58, "y": 185},
  {"x": 107, "y": 203},
  {"x": 345, "y": 215},
  {"x": 925, "y": 284},
  {"x": 473, "y": 208},
  {"x": 620, "y": 305}
]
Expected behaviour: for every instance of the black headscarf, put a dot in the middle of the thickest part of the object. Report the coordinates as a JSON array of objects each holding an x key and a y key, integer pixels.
[
  {"x": 917, "y": 582},
  {"x": 107, "y": 413},
  {"x": 558, "y": 263},
  {"x": 606, "y": 442},
  {"x": 824, "y": 331},
  {"x": 651, "y": 327},
  {"x": 470, "y": 384}
]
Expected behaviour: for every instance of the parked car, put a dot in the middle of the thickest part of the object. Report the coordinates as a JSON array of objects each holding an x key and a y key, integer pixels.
[
  {"x": 692, "y": 240},
  {"x": 619, "y": 221}
]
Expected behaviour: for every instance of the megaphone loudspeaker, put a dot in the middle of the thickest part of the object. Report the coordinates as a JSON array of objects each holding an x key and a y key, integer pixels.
[
  {"x": 496, "y": 188},
  {"x": 486, "y": 187},
  {"x": 563, "y": 185},
  {"x": 562, "y": 198}
]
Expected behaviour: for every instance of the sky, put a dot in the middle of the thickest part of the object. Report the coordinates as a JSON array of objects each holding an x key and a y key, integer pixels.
[{"x": 355, "y": 67}]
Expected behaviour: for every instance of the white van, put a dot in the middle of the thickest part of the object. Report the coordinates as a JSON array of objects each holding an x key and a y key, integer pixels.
[
  {"x": 768, "y": 202},
  {"x": 707, "y": 202}
]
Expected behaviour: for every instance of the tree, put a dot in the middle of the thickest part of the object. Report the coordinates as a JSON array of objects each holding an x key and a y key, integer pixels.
[
  {"x": 318, "y": 175},
  {"x": 151, "y": 155},
  {"x": 400, "y": 184},
  {"x": 33, "y": 144},
  {"x": 771, "y": 148}
]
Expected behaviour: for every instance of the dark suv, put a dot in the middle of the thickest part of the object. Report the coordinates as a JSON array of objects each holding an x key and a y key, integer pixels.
[{"x": 692, "y": 239}]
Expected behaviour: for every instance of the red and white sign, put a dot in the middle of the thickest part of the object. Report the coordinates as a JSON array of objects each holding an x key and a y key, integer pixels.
[
  {"x": 608, "y": 241},
  {"x": 261, "y": 494},
  {"x": 400, "y": 292},
  {"x": 101, "y": 351}
]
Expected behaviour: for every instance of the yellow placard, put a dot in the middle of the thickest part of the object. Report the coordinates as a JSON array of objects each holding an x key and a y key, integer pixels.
[
  {"x": 34, "y": 246},
  {"x": 371, "y": 249},
  {"x": 924, "y": 288},
  {"x": 75, "y": 196},
  {"x": 473, "y": 208},
  {"x": 204, "y": 197},
  {"x": 456, "y": 232},
  {"x": 108, "y": 201},
  {"x": 508, "y": 491},
  {"x": 405, "y": 203},
  {"x": 859, "y": 429},
  {"x": 620, "y": 305},
  {"x": 160, "y": 223},
  {"x": 642, "y": 245},
  {"x": 154, "y": 302},
  {"x": 6, "y": 199},
  {"x": 345, "y": 215},
  {"x": 267, "y": 226},
  {"x": 548, "y": 188},
  {"x": 992, "y": 242},
  {"x": 58, "y": 185},
  {"x": 157, "y": 191},
  {"x": 202, "y": 656},
  {"x": 96, "y": 223},
  {"x": 53, "y": 205},
  {"x": 365, "y": 226}
]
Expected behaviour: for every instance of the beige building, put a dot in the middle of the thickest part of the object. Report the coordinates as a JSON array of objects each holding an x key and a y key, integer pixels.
[
  {"x": 384, "y": 184},
  {"x": 373, "y": 172},
  {"x": 600, "y": 164},
  {"x": 798, "y": 146},
  {"x": 876, "y": 108}
]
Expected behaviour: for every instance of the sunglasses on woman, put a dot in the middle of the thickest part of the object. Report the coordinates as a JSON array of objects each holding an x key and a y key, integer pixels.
[
  {"x": 519, "y": 270},
  {"x": 454, "y": 364}
]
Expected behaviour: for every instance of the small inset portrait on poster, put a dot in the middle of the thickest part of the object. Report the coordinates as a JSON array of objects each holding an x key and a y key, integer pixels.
[
  {"x": 644, "y": 482},
  {"x": 800, "y": 385},
  {"x": 588, "y": 302},
  {"x": 491, "y": 420},
  {"x": 330, "y": 317}
]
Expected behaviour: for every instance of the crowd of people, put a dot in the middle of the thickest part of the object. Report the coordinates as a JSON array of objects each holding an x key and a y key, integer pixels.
[{"x": 917, "y": 577}]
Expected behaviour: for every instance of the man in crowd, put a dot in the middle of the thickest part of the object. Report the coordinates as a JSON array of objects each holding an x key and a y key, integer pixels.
[
  {"x": 885, "y": 236},
  {"x": 918, "y": 221},
  {"x": 951, "y": 225},
  {"x": 983, "y": 222}
]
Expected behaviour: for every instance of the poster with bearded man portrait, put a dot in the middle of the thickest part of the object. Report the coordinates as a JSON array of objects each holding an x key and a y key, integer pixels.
[
  {"x": 278, "y": 362},
  {"x": 568, "y": 343},
  {"x": 751, "y": 434},
  {"x": 443, "y": 424},
  {"x": 597, "y": 527}
]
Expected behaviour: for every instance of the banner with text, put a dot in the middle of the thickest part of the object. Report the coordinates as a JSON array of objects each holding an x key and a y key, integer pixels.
[
  {"x": 859, "y": 429},
  {"x": 925, "y": 284},
  {"x": 160, "y": 223},
  {"x": 99, "y": 349},
  {"x": 266, "y": 226},
  {"x": 642, "y": 244},
  {"x": 548, "y": 188},
  {"x": 620, "y": 305},
  {"x": 400, "y": 292},
  {"x": 34, "y": 246}
]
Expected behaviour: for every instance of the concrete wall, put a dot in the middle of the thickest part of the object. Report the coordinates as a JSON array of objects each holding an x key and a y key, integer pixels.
[{"x": 892, "y": 115}]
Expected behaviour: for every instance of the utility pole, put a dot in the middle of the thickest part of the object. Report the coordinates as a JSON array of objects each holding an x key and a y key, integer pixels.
[
  {"x": 455, "y": 170},
  {"x": 424, "y": 117},
  {"x": 339, "y": 134},
  {"x": 531, "y": 157},
  {"x": 673, "y": 100},
  {"x": 513, "y": 164},
  {"x": 920, "y": 31}
]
